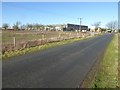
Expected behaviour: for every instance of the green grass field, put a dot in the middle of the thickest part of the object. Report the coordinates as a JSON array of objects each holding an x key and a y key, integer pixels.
[{"x": 107, "y": 76}]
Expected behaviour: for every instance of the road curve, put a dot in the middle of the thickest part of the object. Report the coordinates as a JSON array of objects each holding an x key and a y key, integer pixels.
[{"x": 60, "y": 67}]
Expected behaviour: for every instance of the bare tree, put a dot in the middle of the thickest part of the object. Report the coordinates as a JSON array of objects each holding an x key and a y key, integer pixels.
[
  {"x": 96, "y": 24},
  {"x": 112, "y": 25},
  {"x": 42, "y": 27},
  {"x": 5, "y": 26},
  {"x": 16, "y": 25},
  {"x": 29, "y": 26},
  {"x": 37, "y": 26}
]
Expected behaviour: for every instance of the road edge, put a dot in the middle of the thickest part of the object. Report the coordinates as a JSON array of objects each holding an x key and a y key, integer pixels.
[{"x": 90, "y": 76}]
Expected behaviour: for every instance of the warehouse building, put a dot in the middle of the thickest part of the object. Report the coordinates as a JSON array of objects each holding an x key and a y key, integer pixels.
[{"x": 74, "y": 27}]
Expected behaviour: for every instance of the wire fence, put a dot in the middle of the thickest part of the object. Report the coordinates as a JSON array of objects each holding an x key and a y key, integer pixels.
[{"x": 18, "y": 40}]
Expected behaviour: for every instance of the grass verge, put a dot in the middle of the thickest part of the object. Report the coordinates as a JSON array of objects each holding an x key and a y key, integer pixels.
[
  {"x": 119, "y": 60},
  {"x": 43, "y": 47},
  {"x": 107, "y": 76},
  {"x": 38, "y": 48}
]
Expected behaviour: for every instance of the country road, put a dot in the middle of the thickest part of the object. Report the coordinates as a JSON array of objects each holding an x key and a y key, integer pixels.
[{"x": 60, "y": 67}]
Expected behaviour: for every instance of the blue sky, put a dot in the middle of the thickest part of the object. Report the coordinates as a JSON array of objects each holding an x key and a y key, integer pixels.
[{"x": 59, "y": 12}]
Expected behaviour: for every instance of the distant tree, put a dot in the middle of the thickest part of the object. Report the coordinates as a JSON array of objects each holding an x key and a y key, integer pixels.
[
  {"x": 42, "y": 27},
  {"x": 103, "y": 29},
  {"x": 51, "y": 27},
  {"x": 16, "y": 25},
  {"x": 22, "y": 26},
  {"x": 5, "y": 26},
  {"x": 29, "y": 26},
  {"x": 37, "y": 26},
  {"x": 96, "y": 24},
  {"x": 112, "y": 25}
]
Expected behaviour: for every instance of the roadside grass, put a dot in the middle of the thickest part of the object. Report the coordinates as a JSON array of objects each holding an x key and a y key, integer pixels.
[
  {"x": 119, "y": 60},
  {"x": 107, "y": 76},
  {"x": 37, "y": 48},
  {"x": 42, "y": 47},
  {"x": 7, "y": 37}
]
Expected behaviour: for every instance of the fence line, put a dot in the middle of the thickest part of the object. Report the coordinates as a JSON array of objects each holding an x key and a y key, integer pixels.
[{"x": 31, "y": 43}]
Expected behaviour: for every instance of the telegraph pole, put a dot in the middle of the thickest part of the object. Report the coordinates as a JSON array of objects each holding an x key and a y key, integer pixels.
[{"x": 80, "y": 24}]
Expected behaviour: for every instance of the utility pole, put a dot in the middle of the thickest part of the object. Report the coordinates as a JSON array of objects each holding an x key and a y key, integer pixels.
[{"x": 80, "y": 24}]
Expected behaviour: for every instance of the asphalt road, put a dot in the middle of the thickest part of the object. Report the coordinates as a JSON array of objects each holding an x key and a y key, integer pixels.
[{"x": 60, "y": 67}]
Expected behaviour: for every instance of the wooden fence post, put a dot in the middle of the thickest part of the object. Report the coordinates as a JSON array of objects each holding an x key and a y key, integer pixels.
[{"x": 14, "y": 41}]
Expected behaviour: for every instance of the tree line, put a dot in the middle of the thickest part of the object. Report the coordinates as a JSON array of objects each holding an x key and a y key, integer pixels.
[
  {"x": 112, "y": 25},
  {"x": 37, "y": 26}
]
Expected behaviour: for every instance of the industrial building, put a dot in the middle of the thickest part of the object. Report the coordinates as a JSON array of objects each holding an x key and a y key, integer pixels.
[{"x": 74, "y": 27}]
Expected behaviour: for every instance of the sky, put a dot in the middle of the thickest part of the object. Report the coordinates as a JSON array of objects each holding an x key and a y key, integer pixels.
[
  {"x": 59, "y": 12},
  {"x": 119, "y": 15}
]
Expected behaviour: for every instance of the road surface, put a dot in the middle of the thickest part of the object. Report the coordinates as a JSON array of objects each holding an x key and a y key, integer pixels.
[{"x": 60, "y": 67}]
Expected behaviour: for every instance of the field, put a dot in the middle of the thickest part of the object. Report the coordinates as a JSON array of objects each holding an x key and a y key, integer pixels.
[
  {"x": 21, "y": 42},
  {"x": 15, "y": 40},
  {"x": 107, "y": 76},
  {"x": 7, "y": 36}
]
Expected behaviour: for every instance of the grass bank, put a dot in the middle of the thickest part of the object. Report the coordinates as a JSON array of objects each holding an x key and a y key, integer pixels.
[
  {"x": 119, "y": 60},
  {"x": 38, "y": 48},
  {"x": 107, "y": 76},
  {"x": 43, "y": 47}
]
